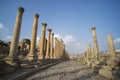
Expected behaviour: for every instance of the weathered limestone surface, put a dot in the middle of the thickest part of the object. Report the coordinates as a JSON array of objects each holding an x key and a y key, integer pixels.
[
  {"x": 95, "y": 42},
  {"x": 106, "y": 73},
  {"x": 48, "y": 44},
  {"x": 15, "y": 39},
  {"x": 111, "y": 44},
  {"x": 32, "y": 55},
  {"x": 44, "y": 25},
  {"x": 68, "y": 70},
  {"x": 52, "y": 46}
]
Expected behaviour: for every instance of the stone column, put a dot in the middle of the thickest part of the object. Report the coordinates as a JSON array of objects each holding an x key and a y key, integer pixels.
[
  {"x": 88, "y": 57},
  {"x": 93, "y": 53},
  {"x": 45, "y": 47},
  {"x": 44, "y": 25},
  {"x": 55, "y": 50},
  {"x": 15, "y": 38},
  {"x": 48, "y": 44},
  {"x": 32, "y": 55},
  {"x": 111, "y": 44},
  {"x": 89, "y": 51},
  {"x": 95, "y": 42},
  {"x": 61, "y": 48},
  {"x": 51, "y": 48}
]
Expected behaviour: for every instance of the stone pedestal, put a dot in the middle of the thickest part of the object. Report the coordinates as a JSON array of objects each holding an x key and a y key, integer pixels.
[
  {"x": 12, "y": 57},
  {"x": 32, "y": 55}
]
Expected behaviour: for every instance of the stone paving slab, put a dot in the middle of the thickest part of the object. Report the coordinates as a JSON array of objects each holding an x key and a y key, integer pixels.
[
  {"x": 23, "y": 73},
  {"x": 68, "y": 70}
]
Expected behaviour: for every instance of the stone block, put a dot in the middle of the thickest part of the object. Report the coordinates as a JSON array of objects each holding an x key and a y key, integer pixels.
[
  {"x": 115, "y": 62},
  {"x": 95, "y": 68},
  {"x": 106, "y": 73},
  {"x": 107, "y": 68}
]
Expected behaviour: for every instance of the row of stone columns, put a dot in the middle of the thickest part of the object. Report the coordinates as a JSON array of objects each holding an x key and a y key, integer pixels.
[
  {"x": 47, "y": 50},
  {"x": 59, "y": 50},
  {"x": 93, "y": 53}
]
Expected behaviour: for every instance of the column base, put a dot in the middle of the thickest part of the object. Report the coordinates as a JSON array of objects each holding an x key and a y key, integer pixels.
[
  {"x": 39, "y": 57},
  {"x": 11, "y": 61},
  {"x": 47, "y": 57},
  {"x": 31, "y": 57}
]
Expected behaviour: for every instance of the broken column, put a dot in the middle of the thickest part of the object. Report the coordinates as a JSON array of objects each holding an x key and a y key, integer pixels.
[
  {"x": 95, "y": 42},
  {"x": 112, "y": 69},
  {"x": 44, "y": 25},
  {"x": 48, "y": 44},
  {"x": 51, "y": 48},
  {"x": 111, "y": 44},
  {"x": 15, "y": 39},
  {"x": 32, "y": 55}
]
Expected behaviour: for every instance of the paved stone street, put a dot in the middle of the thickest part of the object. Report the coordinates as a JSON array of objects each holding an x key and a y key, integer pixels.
[{"x": 68, "y": 70}]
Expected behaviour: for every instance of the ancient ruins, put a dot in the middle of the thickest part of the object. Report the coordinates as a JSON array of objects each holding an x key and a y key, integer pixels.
[{"x": 25, "y": 54}]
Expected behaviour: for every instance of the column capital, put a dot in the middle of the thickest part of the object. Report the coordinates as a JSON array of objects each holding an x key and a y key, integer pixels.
[
  {"x": 45, "y": 24},
  {"x": 49, "y": 29},
  {"x": 93, "y": 28},
  {"x": 21, "y": 9},
  {"x": 36, "y": 15},
  {"x": 109, "y": 35}
]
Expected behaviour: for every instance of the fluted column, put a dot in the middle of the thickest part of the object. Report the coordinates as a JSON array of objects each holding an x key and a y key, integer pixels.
[
  {"x": 48, "y": 44},
  {"x": 111, "y": 44},
  {"x": 44, "y": 25},
  {"x": 95, "y": 42},
  {"x": 51, "y": 48},
  {"x": 32, "y": 55},
  {"x": 15, "y": 38}
]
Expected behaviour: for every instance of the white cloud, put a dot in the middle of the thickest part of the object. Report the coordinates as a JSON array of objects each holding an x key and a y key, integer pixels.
[
  {"x": 117, "y": 40},
  {"x": 68, "y": 39},
  {"x": 1, "y": 25},
  {"x": 8, "y": 38},
  {"x": 58, "y": 36},
  {"x": 71, "y": 44},
  {"x": 38, "y": 38},
  {"x": 4, "y": 33}
]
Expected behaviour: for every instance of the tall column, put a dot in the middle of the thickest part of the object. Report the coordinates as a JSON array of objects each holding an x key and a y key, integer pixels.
[
  {"x": 111, "y": 44},
  {"x": 61, "y": 48},
  {"x": 55, "y": 50},
  {"x": 48, "y": 44},
  {"x": 32, "y": 55},
  {"x": 15, "y": 38},
  {"x": 45, "y": 47},
  {"x": 51, "y": 48},
  {"x": 95, "y": 42},
  {"x": 44, "y": 25}
]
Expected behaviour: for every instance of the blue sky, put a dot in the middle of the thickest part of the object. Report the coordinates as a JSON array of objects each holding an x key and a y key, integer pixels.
[{"x": 70, "y": 20}]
